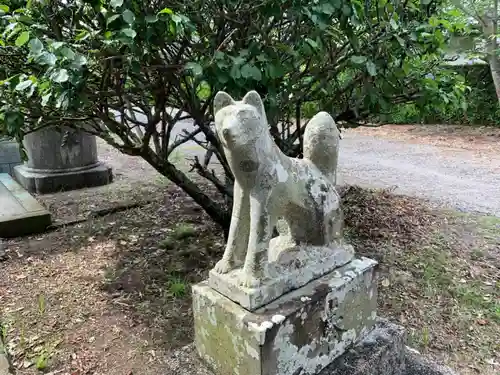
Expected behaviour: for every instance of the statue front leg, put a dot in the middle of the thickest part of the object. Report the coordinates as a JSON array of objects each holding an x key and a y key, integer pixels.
[
  {"x": 237, "y": 242},
  {"x": 256, "y": 260}
]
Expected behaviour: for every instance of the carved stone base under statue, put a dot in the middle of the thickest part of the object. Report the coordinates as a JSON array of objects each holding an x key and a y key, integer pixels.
[
  {"x": 382, "y": 352},
  {"x": 301, "y": 332},
  {"x": 293, "y": 269},
  {"x": 58, "y": 161}
]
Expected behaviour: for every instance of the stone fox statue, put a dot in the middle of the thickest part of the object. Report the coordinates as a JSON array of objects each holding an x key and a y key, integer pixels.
[{"x": 270, "y": 185}]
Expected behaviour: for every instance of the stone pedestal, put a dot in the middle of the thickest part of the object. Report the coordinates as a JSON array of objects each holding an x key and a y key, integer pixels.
[
  {"x": 9, "y": 155},
  {"x": 301, "y": 332},
  {"x": 20, "y": 213},
  {"x": 61, "y": 160},
  {"x": 381, "y": 352}
]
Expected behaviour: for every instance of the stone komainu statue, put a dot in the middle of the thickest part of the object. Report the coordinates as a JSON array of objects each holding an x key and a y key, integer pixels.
[{"x": 270, "y": 185}]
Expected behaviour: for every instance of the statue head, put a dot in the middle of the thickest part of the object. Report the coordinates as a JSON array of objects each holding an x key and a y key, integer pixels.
[{"x": 239, "y": 122}]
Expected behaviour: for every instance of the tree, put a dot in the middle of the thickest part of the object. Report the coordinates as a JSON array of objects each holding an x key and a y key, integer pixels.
[
  {"x": 482, "y": 16},
  {"x": 102, "y": 65}
]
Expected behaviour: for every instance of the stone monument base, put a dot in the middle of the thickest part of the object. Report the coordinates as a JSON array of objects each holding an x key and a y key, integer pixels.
[
  {"x": 51, "y": 181},
  {"x": 301, "y": 332},
  {"x": 289, "y": 269},
  {"x": 9, "y": 155},
  {"x": 20, "y": 213},
  {"x": 381, "y": 352}
]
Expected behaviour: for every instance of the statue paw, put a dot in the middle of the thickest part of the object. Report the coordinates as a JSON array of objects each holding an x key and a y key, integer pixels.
[
  {"x": 222, "y": 266},
  {"x": 249, "y": 281}
]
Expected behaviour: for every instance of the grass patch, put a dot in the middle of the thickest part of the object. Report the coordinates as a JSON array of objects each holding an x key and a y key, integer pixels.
[
  {"x": 180, "y": 233},
  {"x": 183, "y": 231},
  {"x": 176, "y": 287},
  {"x": 19, "y": 339},
  {"x": 168, "y": 243}
]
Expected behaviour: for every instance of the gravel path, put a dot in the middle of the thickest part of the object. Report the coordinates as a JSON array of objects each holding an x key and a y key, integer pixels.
[
  {"x": 446, "y": 176},
  {"x": 449, "y": 177}
]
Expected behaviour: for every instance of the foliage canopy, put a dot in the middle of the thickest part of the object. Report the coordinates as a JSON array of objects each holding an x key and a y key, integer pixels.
[{"x": 119, "y": 68}]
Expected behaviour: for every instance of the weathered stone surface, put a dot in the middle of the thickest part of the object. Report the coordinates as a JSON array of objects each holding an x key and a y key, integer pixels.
[
  {"x": 44, "y": 182},
  {"x": 270, "y": 186},
  {"x": 294, "y": 269},
  {"x": 20, "y": 213},
  {"x": 63, "y": 160},
  {"x": 381, "y": 352},
  {"x": 9, "y": 155},
  {"x": 300, "y": 332}
]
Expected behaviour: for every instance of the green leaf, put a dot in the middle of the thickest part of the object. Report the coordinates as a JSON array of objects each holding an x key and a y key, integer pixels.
[
  {"x": 128, "y": 16},
  {"x": 36, "y": 46},
  {"x": 46, "y": 58},
  {"x": 114, "y": 17},
  {"x": 401, "y": 41},
  {"x": 151, "y": 19},
  {"x": 79, "y": 61},
  {"x": 219, "y": 55},
  {"x": 60, "y": 76},
  {"x": 203, "y": 90},
  {"x": 251, "y": 71},
  {"x": 195, "y": 68},
  {"x": 57, "y": 45},
  {"x": 14, "y": 121},
  {"x": 116, "y": 3},
  {"x": 4, "y": 8},
  {"x": 262, "y": 57},
  {"x": 372, "y": 69},
  {"x": 129, "y": 32},
  {"x": 312, "y": 43},
  {"x": 327, "y": 8},
  {"x": 177, "y": 19},
  {"x": 23, "y": 38},
  {"x": 394, "y": 24},
  {"x": 455, "y": 12},
  {"x": 84, "y": 34},
  {"x": 62, "y": 100},
  {"x": 358, "y": 59},
  {"x": 23, "y": 85},
  {"x": 172, "y": 28},
  {"x": 45, "y": 99},
  {"x": 166, "y": 11},
  {"x": 346, "y": 9},
  {"x": 235, "y": 72},
  {"x": 67, "y": 53},
  {"x": 276, "y": 71}
]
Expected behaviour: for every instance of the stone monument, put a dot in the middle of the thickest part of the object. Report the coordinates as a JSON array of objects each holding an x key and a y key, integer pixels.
[
  {"x": 294, "y": 303},
  {"x": 9, "y": 155},
  {"x": 61, "y": 160}
]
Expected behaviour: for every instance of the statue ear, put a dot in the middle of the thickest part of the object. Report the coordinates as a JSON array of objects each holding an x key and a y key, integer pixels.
[
  {"x": 253, "y": 98},
  {"x": 221, "y": 100}
]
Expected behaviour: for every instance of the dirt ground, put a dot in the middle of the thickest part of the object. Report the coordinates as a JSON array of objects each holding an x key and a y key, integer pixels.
[{"x": 110, "y": 295}]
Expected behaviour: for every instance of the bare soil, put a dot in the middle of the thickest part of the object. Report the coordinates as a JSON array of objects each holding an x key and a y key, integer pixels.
[{"x": 110, "y": 295}]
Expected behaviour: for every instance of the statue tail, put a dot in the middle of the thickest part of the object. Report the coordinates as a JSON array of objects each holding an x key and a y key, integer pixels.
[{"x": 321, "y": 144}]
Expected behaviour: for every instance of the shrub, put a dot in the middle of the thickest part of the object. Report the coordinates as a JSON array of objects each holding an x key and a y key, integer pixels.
[{"x": 116, "y": 68}]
